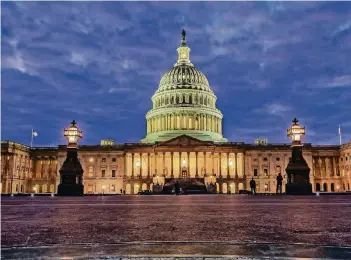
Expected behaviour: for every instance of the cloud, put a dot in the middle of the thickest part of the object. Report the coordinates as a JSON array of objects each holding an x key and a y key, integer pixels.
[
  {"x": 275, "y": 109},
  {"x": 341, "y": 81},
  {"x": 102, "y": 62}
]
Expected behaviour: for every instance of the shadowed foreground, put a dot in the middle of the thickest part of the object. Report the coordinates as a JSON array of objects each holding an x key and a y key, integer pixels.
[{"x": 239, "y": 220}]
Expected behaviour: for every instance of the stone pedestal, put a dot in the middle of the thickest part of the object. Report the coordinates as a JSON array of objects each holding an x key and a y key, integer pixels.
[
  {"x": 298, "y": 174},
  {"x": 71, "y": 175}
]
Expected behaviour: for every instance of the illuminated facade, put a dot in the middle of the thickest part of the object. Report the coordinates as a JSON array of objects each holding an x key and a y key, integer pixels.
[{"x": 183, "y": 140}]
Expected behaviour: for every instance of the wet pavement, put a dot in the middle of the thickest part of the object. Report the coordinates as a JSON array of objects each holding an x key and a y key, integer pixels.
[{"x": 237, "y": 221}]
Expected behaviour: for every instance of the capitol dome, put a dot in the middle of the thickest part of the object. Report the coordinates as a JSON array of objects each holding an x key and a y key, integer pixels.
[{"x": 184, "y": 104}]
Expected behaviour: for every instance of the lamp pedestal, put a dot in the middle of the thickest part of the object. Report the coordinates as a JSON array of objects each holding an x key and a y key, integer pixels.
[
  {"x": 71, "y": 174},
  {"x": 298, "y": 174}
]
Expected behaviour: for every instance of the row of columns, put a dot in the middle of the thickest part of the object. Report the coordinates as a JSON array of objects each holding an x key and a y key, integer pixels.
[
  {"x": 180, "y": 99},
  {"x": 167, "y": 122},
  {"x": 184, "y": 161},
  {"x": 325, "y": 166}
]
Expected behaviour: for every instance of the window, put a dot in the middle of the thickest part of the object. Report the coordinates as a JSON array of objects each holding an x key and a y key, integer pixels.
[
  {"x": 265, "y": 172},
  {"x": 90, "y": 171},
  {"x": 103, "y": 159},
  {"x": 113, "y": 173},
  {"x": 103, "y": 173},
  {"x": 255, "y": 172},
  {"x": 113, "y": 159},
  {"x": 277, "y": 169},
  {"x": 265, "y": 159},
  {"x": 278, "y": 159}
]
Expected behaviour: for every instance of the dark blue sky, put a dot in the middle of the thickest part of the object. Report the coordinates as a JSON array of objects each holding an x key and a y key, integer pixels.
[{"x": 100, "y": 62}]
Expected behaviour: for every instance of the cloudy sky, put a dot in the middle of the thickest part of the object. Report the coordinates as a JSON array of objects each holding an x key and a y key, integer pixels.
[{"x": 100, "y": 62}]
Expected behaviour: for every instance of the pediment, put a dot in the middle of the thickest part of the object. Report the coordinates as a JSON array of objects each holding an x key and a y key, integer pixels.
[{"x": 184, "y": 140}]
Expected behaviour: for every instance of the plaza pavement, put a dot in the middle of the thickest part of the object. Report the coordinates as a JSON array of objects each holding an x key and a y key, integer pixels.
[{"x": 205, "y": 225}]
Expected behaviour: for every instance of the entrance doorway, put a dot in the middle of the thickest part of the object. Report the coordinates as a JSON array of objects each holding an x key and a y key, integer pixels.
[{"x": 184, "y": 173}]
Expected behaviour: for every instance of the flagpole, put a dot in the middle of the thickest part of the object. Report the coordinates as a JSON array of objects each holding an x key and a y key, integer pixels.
[
  {"x": 340, "y": 134},
  {"x": 31, "y": 141}
]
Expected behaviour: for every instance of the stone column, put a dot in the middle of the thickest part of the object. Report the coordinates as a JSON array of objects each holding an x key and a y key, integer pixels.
[
  {"x": 220, "y": 164},
  {"x": 132, "y": 165},
  {"x": 205, "y": 163},
  {"x": 236, "y": 164},
  {"x": 180, "y": 164},
  {"x": 155, "y": 162},
  {"x": 172, "y": 175},
  {"x": 141, "y": 164},
  {"x": 148, "y": 165},
  {"x": 334, "y": 166},
  {"x": 196, "y": 165},
  {"x": 228, "y": 170},
  {"x": 164, "y": 163},
  {"x": 188, "y": 158},
  {"x": 213, "y": 162}
]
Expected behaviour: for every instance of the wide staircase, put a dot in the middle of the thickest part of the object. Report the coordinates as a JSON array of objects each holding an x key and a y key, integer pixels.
[{"x": 188, "y": 185}]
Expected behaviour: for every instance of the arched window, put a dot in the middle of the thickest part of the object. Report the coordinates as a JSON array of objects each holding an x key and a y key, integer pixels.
[
  {"x": 332, "y": 187},
  {"x": 325, "y": 187},
  {"x": 318, "y": 187},
  {"x": 190, "y": 99}
]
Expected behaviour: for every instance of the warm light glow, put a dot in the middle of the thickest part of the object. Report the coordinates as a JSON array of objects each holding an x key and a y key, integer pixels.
[
  {"x": 338, "y": 187},
  {"x": 295, "y": 132},
  {"x": 230, "y": 163},
  {"x": 137, "y": 164},
  {"x": 34, "y": 188},
  {"x": 184, "y": 162},
  {"x": 103, "y": 187},
  {"x": 91, "y": 159},
  {"x": 72, "y": 134}
]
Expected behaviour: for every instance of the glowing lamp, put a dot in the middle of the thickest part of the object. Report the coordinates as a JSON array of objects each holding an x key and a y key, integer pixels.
[
  {"x": 72, "y": 134},
  {"x": 184, "y": 162},
  {"x": 295, "y": 132},
  {"x": 230, "y": 163}
]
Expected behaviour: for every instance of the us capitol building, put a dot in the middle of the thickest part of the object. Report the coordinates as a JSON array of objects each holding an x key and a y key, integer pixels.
[{"x": 183, "y": 140}]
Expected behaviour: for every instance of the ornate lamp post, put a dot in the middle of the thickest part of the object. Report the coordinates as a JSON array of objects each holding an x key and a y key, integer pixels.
[
  {"x": 71, "y": 183},
  {"x": 297, "y": 169}
]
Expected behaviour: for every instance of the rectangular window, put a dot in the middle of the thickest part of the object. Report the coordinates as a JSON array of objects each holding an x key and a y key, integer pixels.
[
  {"x": 103, "y": 173},
  {"x": 113, "y": 173},
  {"x": 255, "y": 172},
  {"x": 265, "y": 172},
  {"x": 103, "y": 159},
  {"x": 113, "y": 159}
]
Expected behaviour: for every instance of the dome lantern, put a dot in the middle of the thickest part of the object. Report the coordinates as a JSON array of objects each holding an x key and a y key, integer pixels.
[{"x": 183, "y": 51}]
